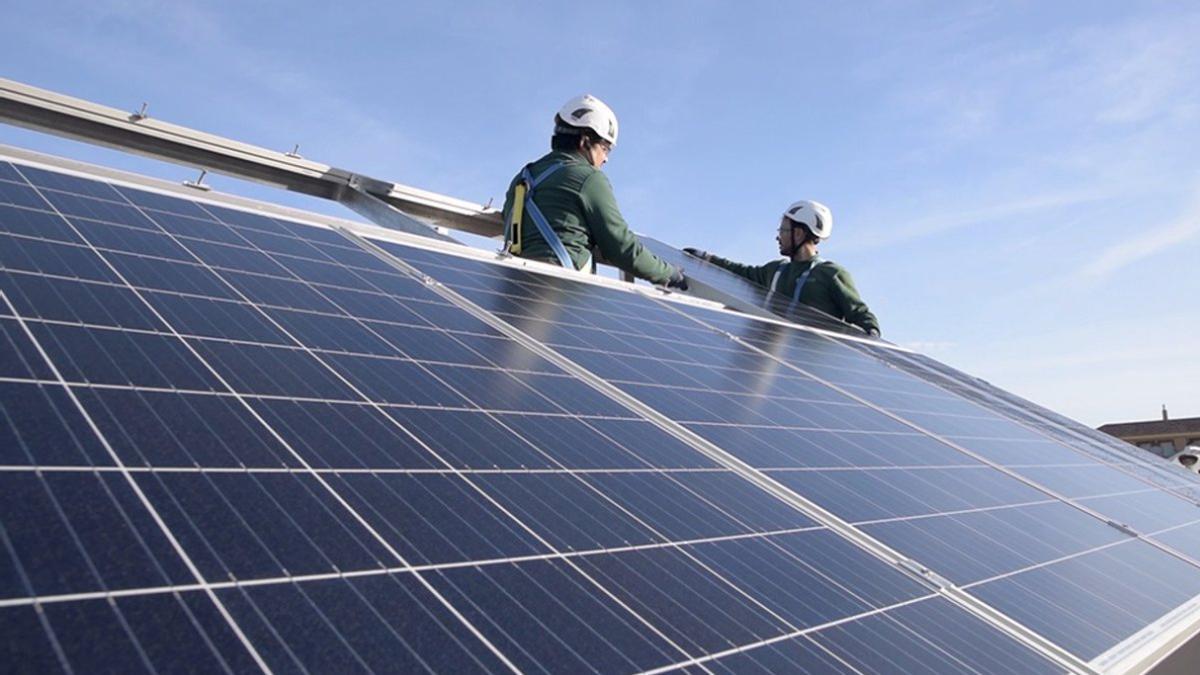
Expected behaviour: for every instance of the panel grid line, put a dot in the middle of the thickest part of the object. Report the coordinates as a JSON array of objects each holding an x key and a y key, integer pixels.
[
  {"x": 982, "y": 609},
  {"x": 558, "y": 555},
  {"x": 246, "y": 303},
  {"x": 200, "y": 264},
  {"x": 250, "y": 583},
  {"x": 433, "y": 453},
  {"x": 700, "y": 563},
  {"x": 288, "y": 347},
  {"x": 1077, "y": 554},
  {"x": 236, "y": 393},
  {"x": 525, "y": 471},
  {"x": 701, "y": 660},
  {"x": 43, "y": 620},
  {"x": 951, "y": 443},
  {"x": 621, "y": 507},
  {"x": 237, "y": 267},
  {"x": 262, "y": 664},
  {"x": 786, "y": 495},
  {"x": 403, "y": 569},
  {"x": 145, "y": 501},
  {"x": 1016, "y": 419}
]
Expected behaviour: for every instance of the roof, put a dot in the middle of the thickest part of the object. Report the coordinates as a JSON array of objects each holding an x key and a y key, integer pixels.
[{"x": 1182, "y": 426}]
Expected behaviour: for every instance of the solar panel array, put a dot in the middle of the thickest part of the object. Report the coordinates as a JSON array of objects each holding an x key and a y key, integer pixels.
[{"x": 233, "y": 441}]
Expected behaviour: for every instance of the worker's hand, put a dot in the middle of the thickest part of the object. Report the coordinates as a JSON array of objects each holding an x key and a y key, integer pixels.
[
  {"x": 697, "y": 253},
  {"x": 677, "y": 280}
]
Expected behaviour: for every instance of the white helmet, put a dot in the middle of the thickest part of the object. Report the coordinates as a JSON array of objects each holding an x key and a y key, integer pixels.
[
  {"x": 589, "y": 112},
  {"x": 814, "y": 215}
]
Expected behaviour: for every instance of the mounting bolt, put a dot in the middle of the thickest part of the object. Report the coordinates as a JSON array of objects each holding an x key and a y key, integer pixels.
[
  {"x": 295, "y": 152},
  {"x": 140, "y": 114},
  {"x": 198, "y": 184}
]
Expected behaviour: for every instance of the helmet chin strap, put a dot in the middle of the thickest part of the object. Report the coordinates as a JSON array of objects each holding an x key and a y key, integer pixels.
[
  {"x": 585, "y": 148},
  {"x": 794, "y": 246}
]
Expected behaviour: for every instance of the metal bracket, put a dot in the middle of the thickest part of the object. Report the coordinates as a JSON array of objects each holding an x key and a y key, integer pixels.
[
  {"x": 1124, "y": 528},
  {"x": 358, "y": 197},
  {"x": 941, "y": 582},
  {"x": 199, "y": 183}
]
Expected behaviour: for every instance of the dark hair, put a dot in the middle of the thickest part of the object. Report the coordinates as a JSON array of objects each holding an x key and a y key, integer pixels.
[
  {"x": 808, "y": 234},
  {"x": 567, "y": 138},
  {"x": 565, "y": 142}
]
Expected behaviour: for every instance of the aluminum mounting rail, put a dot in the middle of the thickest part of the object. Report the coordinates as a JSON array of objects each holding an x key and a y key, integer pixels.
[
  {"x": 51, "y": 112},
  {"x": 390, "y": 205}
]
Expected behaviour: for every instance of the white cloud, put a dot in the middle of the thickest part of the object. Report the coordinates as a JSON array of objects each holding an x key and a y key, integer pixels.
[
  {"x": 1142, "y": 242},
  {"x": 1102, "y": 370},
  {"x": 1145, "y": 71},
  {"x": 945, "y": 219},
  {"x": 205, "y": 48}
]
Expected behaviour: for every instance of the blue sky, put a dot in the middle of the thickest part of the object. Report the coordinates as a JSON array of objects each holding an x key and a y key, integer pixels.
[{"x": 1015, "y": 186}]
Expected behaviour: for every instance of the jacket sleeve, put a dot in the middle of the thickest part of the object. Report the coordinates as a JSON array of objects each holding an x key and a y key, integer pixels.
[
  {"x": 611, "y": 235},
  {"x": 759, "y": 274},
  {"x": 853, "y": 309}
]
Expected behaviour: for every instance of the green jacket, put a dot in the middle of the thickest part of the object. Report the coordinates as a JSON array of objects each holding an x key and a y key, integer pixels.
[
  {"x": 829, "y": 287},
  {"x": 578, "y": 203}
]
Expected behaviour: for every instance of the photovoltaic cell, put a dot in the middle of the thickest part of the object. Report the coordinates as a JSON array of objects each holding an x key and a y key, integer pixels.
[
  {"x": 42, "y": 427},
  {"x": 381, "y": 623},
  {"x": 72, "y": 532},
  {"x": 7, "y": 172},
  {"x": 73, "y": 302},
  {"x": 280, "y": 446},
  {"x": 19, "y": 358}
]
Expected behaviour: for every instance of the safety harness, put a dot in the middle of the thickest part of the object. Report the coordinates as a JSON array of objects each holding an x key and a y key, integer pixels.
[
  {"x": 523, "y": 203},
  {"x": 800, "y": 281}
]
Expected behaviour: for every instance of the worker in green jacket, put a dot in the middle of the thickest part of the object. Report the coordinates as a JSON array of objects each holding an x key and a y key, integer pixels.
[
  {"x": 804, "y": 276},
  {"x": 562, "y": 206}
]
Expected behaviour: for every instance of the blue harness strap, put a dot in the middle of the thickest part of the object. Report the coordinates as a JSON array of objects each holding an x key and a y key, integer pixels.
[
  {"x": 803, "y": 279},
  {"x": 539, "y": 220}
]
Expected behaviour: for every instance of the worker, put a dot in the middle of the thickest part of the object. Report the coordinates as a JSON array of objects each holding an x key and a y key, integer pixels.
[
  {"x": 804, "y": 276},
  {"x": 562, "y": 206}
]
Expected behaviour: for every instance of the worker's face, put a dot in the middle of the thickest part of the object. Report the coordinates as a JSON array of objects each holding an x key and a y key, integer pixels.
[
  {"x": 596, "y": 153},
  {"x": 786, "y": 236}
]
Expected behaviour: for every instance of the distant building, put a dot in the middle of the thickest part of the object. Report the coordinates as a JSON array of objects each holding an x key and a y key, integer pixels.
[{"x": 1164, "y": 437}]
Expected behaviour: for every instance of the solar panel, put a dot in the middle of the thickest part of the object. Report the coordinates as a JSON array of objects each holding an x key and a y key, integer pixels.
[
  {"x": 252, "y": 442},
  {"x": 1103, "y": 447}
]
